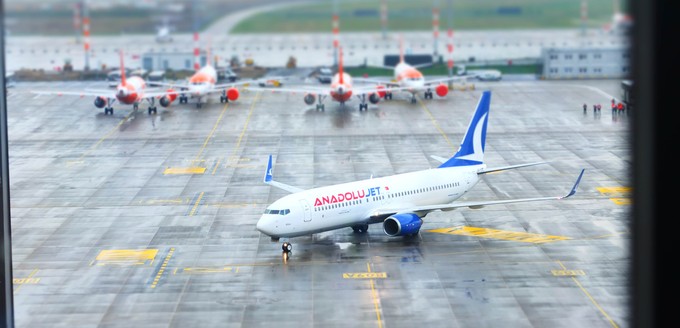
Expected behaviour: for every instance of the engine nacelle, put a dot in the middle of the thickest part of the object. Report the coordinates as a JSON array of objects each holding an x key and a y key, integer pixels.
[
  {"x": 172, "y": 95},
  {"x": 100, "y": 102},
  {"x": 402, "y": 224},
  {"x": 381, "y": 91},
  {"x": 442, "y": 90},
  {"x": 232, "y": 94},
  {"x": 165, "y": 101},
  {"x": 374, "y": 98},
  {"x": 310, "y": 98}
]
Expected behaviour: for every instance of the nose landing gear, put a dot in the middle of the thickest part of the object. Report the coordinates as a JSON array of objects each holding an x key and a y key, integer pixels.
[{"x": 287, "y": 251}]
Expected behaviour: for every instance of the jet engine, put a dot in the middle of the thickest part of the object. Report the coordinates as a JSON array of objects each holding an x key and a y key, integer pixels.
[
  {"x": 166, "y": 100},
  {"x": 402, "y": 224},
  {"x": 374, "y": 98},
  {"x": 232, "y": 94},
  {"x": 100, "y": 102},
  {"x": 310, "y": 98},
  {"x": 442, "y": 90},
  {"x": 381, "y": 91}
]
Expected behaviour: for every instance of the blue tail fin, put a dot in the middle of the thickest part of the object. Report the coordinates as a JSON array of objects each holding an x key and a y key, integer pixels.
[{"x": 471, "y": 151}]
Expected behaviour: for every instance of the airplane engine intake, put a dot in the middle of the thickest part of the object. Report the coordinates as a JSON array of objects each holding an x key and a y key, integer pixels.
[
  {"x": 402, "y": 224},
  {"x": 309, "y": 99},
  {"x": 100, "y": 102},
  {"x": 232, "y": 94},
  {"x": 442, "y": 90}
]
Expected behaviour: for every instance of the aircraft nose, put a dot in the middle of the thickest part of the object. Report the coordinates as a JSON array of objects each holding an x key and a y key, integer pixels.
[{"x": 264, "y": 226}]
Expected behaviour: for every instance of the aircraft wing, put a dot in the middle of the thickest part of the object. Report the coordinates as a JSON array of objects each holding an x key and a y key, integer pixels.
[
  {"x": 91, "y": 93},
  {"x": 423, "y": 210},
  {"x": 448, "y": 79},
  {"x": 301, "y": 90},
  {"x": 374, "y": 81}
]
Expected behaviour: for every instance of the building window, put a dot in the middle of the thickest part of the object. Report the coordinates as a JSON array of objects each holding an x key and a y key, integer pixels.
[
  {"x": 582, "y": 70},
  {"x": 597, "y": 70},
  {"x": 597, "y": 56},
  {"x": 582, "y": 56},
  {"x": 553, "y": 70},
  {"x": 553, "y": 56},
  {"x": 625, "y": 56},
  {"x": 567, "y": 56},
  {"x": 625, "y": 69},
  {"x": 568, "y": 69}
]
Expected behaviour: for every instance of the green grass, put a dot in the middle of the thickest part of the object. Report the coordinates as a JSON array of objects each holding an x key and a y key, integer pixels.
[{"x": 417, "y": 15}]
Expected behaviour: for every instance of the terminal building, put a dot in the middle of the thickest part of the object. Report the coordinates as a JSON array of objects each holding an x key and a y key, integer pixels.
[
  {"x": 160, "y": 61},
  {"x": 586, "y": 63}
]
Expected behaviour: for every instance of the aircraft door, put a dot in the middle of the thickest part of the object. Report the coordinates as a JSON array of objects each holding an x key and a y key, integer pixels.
[{"x": 307, "y": 210}]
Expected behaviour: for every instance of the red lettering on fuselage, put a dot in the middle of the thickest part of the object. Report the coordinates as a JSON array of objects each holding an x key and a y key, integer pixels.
[{"x": 347, "y": 196}]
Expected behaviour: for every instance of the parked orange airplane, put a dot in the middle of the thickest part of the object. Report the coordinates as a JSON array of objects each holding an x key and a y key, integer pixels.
[
  {"x": 408, "y": 78},
  {"x": 130, "y": 91},
  {"x": 341, "y": 90}
]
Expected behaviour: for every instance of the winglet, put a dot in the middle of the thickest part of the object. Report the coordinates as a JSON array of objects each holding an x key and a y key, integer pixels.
[
  {"x": 573, "y": 189},
  {"x": 268, "y": 173},
  {"x": 122, "y": 69}
]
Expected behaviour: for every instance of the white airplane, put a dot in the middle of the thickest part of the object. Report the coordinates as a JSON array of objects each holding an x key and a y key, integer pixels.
[
  {"x": 341, "y": 90},
  {"x": 399, "y": 201},
  {"x": 130, "y": 91},
  {"x": 408, "y": 78},
  {"x": 203, "y": 83}
]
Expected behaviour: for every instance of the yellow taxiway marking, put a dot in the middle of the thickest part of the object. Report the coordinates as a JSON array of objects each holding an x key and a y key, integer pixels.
[
  {"x": 125, "y": 256},
  {"x": 567, "y": 273},
  {"x": 621, "y": 201},
  {"x": 233, "y": 157},
  {"x": 614, "y": 190},
  {"x": 434, "y": 122},
  {"x": 364, "y": 275},
  {"x": 99, "y": 142},
  {"x": 198, "y": 202},
  {"x": 207, "y": 139},
  {"x": 30, "y": 277},
  {"x": 185, "y": 170},
  {"x": 618, "y": 195},
  {"x": 219, "y": 160},
  {"x": 211, "y": 270},
  {"x": 524, "y": 237},
  {"x": 163, "y": 267},
  {"x": 597, "y": 305},
  {"x": 376, "y": 300}
]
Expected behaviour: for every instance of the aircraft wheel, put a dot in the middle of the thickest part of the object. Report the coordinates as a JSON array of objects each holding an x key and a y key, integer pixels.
[
  {"x": 287, "y": 247},
  {"x": 363, "y": 228}
]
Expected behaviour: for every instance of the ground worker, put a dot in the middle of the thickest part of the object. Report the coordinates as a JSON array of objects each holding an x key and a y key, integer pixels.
[
  {"x": 585, "y": 108},
  {"x": 620, "y": 108},
  {"x": 613, "y": 107}
]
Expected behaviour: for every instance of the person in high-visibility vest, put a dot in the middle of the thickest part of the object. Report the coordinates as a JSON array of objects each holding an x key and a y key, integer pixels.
[
  {"x": 620, "y": 108},
  {"x": 614, "y": 107}
]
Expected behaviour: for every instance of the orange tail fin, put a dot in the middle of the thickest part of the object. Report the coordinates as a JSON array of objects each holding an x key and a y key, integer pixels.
[
  {"x": 122, "y": 69},
  {"x": 401, "y": 49},
  {"x": 340, "y": 69}
]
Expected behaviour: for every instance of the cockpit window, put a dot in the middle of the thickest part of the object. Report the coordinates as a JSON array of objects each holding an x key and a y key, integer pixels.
[{"x": 279, "y": 212}]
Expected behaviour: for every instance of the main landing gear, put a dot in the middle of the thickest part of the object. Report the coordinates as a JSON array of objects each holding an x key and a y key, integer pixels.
[
  {"x": 108, "y": 110},
  {"x": 360, "y": 228},
  {"x": 428, "y": 94}
]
